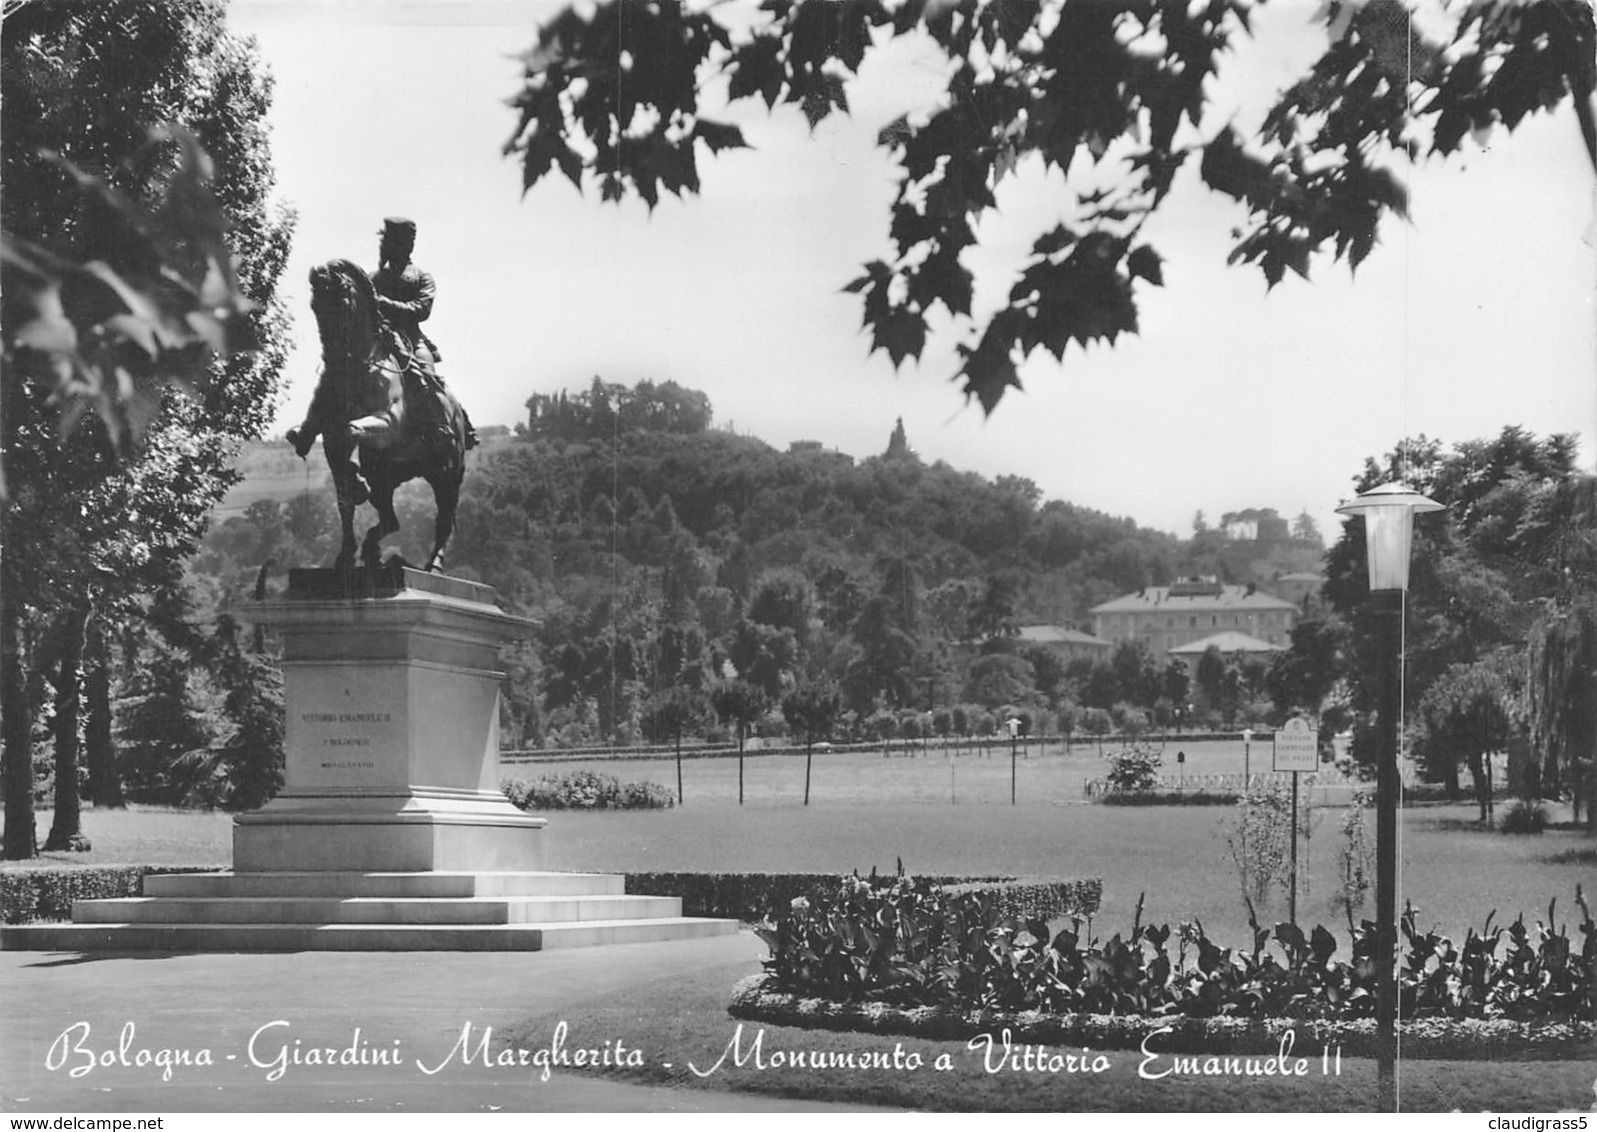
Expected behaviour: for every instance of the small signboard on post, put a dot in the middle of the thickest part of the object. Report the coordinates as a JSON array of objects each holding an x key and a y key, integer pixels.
[
  {"x": 1297, "y": 746},
  {"x": 1297, "y": 749}
]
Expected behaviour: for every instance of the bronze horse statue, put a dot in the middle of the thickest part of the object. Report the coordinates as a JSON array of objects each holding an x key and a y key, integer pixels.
[{"x": 371, "y": 400}]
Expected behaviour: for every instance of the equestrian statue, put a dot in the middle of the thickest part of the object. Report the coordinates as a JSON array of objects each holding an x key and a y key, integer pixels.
[{"x": 380, "y": 396}]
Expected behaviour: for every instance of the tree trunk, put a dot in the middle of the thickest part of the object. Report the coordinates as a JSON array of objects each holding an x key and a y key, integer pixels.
[
  {"x": 20, "y": 839},
  {"x": 66, "y": 830},
  {"x": 105, "y": 784},
  {"x": 1586, "y": 772},
  {"x": 1477, "y": 775},
  {"x": 1522, "y": 777},
  {"x": 808, "y": 750}
]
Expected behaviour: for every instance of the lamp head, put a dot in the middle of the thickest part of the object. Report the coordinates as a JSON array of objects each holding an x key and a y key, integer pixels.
[{"x": 1389, "y": 512}]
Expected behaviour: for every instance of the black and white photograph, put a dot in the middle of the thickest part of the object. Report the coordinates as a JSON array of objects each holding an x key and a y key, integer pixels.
[{"x": 797, "y": 556}]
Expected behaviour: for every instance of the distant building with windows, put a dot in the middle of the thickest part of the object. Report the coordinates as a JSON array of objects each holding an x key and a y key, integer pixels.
[
  {"x": 1068, "y": 643},
  {"x": 1166, "y": 617}
]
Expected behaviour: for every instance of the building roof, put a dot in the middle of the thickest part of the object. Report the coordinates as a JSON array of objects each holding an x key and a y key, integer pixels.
[
  {"x": 1211, "y": 599},
  {"x": 1228, "y": 642},
  {"x": 1056, "y": 635}
]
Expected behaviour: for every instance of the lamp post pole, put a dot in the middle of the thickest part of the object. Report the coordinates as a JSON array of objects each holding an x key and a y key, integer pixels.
[
  {"x": 1388, "y": 513},
  {"x": 1014, "y": 741},
  {"x": 1388, "y": 608}
]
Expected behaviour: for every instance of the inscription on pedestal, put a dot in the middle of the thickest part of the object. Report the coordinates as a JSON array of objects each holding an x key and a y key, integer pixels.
[
  {"x": 353, "y": 743},
  {"x": 342, "y": 737}
]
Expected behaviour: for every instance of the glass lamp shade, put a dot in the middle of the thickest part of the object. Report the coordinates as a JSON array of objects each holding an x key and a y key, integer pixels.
[{"x": 1389, "y": 512}]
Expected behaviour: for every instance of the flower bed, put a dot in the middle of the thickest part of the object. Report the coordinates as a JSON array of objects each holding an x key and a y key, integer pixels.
[
  {"x": 911, "y": 945},
  {"x": 586, "y": 790},
  {"x": 755, "y": 999}
]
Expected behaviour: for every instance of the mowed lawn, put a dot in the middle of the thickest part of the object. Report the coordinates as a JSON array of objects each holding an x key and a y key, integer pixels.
[
  {"x": 943, "y": 814},
  {"x": 910, "y": 773},
  {"x": 1176, "y": 856}
]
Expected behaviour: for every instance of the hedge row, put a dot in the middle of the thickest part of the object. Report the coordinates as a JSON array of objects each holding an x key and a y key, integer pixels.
[
  {"x": 1167, "y": 798},
  {"x": 754, "y": 999},
  {"x": 47, "y": 892},
  {"x": 753, "y": 896}
]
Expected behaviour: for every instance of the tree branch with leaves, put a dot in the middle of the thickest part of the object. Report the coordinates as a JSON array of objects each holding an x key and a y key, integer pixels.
[{"x": 621, "y": 98}]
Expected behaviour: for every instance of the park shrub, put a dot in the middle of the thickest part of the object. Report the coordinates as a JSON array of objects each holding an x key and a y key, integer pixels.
[
  {"x": 47, "y": 892},
  {"x": 1130, "y": 720},
  {"x": 1355, "y": 858},
  {"x": 586, "y": 790},
  {"x": 1134, "y": 768},
  {"x": 1167, "y": 798},
  {"x": 911, "y": 943},
  {"x": 1258, "y": 839},
  {"x": 753, "y": 897},
  {"x": 1521, "y": 816},
  {"x": 881, "y": 725}
]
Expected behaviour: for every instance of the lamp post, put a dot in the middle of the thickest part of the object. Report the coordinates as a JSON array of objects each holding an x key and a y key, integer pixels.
[
  {"x": 1388, "y": 512},
  {"x": 1247, "y": 761},
  {"x": 1014, "y": 740}
]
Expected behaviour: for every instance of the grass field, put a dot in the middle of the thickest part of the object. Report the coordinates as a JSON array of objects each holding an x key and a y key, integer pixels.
[
  {"x": 868, "y": 811},
  {"x": 1044, "y": 773},
  {"x": 942, "y": 814}
]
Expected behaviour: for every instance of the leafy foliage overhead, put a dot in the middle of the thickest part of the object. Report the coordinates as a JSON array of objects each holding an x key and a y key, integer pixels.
[
  {"x": 113, "y": 337},
  {"x": 137, "y": 241},
  {"x": 619, "y": 97}
]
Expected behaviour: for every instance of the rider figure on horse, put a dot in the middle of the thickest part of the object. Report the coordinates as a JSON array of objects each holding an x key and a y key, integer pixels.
[{"x": 405, "y": 300}]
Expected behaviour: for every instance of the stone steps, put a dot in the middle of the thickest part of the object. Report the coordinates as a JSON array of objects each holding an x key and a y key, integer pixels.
[
  {"x": 373, "y": 909},
  {"x": 353, "y": 937},
  {"x": 395, "y": 885},
  {"x": 354, "y": 911}
]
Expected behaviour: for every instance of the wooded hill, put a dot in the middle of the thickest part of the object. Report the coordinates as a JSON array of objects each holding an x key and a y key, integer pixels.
[{"x": 658, "y": 551}]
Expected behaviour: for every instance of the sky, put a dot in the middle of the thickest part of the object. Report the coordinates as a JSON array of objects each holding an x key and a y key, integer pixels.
[{"x": 1476, "y": 315}]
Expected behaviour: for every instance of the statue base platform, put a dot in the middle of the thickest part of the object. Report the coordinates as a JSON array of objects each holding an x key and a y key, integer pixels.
[
  {"x": 418, "y": 830},
  {"x": 391, "y": 679}
]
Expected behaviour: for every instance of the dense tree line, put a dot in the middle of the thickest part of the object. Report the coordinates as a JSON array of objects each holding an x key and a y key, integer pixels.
[
  {"x": 1498, "y": 650},
  {"x": 143, "y": 251}
]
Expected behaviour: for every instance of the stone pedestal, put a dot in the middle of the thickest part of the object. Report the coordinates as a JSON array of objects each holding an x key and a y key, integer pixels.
[
  {"x": 391, "y": 833},
  {"x": 391, "y": 681}
]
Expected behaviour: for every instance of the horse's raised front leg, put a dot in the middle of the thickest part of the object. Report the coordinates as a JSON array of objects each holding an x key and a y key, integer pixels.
[{"x": 446, "y": 495}]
